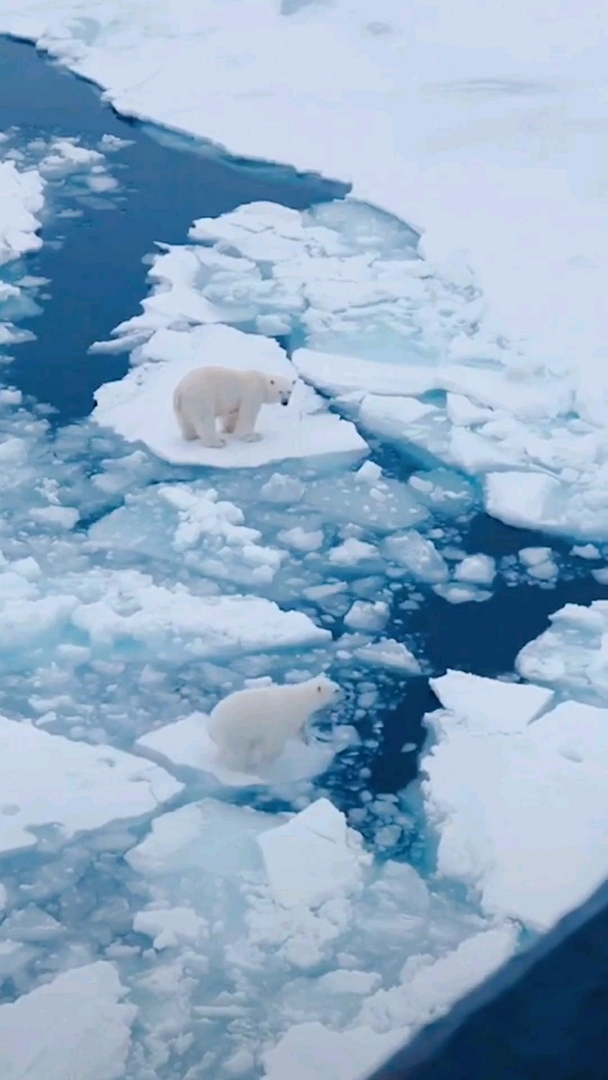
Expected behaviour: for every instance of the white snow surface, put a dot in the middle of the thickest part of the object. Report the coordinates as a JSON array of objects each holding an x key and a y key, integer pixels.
[
  {"x": 516, "y": 798},
  {"x": 572, "y": 655},
  {"x": 50, "y": 780},
  {"x": 73, "y": 1028},
  {"x": 313, "y": 857},
  {"x": 21, "y": 200},
  {"x": 139, "y": 407}
]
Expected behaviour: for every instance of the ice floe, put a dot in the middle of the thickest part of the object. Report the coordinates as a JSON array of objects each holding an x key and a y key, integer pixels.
[
  {"x": 47, "y": 780},
  {"x": 43, "y": 1035},
  {"x": 515, "y": 797},
  {"x": 139, "y": 407},
  {"x": 187, "y": 743}
]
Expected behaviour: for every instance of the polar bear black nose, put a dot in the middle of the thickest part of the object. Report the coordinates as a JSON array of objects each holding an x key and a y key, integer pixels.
[{"x": 284, "y": 399}]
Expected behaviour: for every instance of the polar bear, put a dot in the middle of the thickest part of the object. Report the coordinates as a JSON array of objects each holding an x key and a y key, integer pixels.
[
  {"x": 235, "y": 396},
  {"x": 251, "y": 727}
]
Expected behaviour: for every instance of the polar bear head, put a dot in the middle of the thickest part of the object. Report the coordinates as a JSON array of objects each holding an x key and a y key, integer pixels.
[
  {"x": 322, "y": 691},
  {"x": 278, "y": 389}
]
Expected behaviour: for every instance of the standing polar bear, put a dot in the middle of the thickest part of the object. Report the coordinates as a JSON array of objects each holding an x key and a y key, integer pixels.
[
  {"x": 251, "y": 727},
  {"x": 235, "y": 396}
]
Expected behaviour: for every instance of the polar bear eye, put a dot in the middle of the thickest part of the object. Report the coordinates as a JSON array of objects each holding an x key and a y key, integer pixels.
[{"x": 272, "y": 382}]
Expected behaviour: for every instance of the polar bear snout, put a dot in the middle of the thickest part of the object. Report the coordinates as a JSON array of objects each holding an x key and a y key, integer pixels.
[{"x": 285, "y": 397}]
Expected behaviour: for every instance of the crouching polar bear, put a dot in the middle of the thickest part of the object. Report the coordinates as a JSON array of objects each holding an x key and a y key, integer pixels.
[
  {"x": 251, "y": 727},
  {"x": 235, "y": 396}
]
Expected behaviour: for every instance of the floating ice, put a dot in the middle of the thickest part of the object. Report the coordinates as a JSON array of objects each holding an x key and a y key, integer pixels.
[
  {"x": 418, "y": 555},
  {"x": 139, "y": 407},
  {"x": 168, "y": 927},
  {"x": 21, "y": 200},
  {"x": 314, "y": 857},
  {"x": 187, "y": 743},
  {"x": 351, "y": 552},
  {"x": 209, "y": 835},
  {"x": 476, "y": 570},
  {"x": 49, "y": 780},
  {"x": 572, "y": 655},
  {"x": 389, "y": 1018},
  {"x": 367, "y": 615},
  {"x": 390, "y": 654},
  {"x": 43, "y": 1035},
  {"x": 516, "y": 798}
]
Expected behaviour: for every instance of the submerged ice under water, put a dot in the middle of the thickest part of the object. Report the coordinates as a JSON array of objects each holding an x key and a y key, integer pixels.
[{"x": 135, "y": 593}]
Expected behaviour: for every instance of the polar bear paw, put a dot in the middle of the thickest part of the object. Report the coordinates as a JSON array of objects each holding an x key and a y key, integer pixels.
[{"x": 252, "y": 436}]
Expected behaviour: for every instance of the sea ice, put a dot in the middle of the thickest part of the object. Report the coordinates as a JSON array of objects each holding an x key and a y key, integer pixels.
[
  {"x": 74, "y": 1027},
  {"x": 314, "y": 857},
  {"x": 476, "y": 570},
  {"x": 418, "y": 555},
  {"x": 516, "y": 798},
  {"x": 139, "y": 407},
  {"x": 186, "y": 743},
  {"x": 49, "y": 780},
  {"x": 390, "y": 654},
  {"x": 572, "y": 655},
  {"x": 209, "y": 835}
]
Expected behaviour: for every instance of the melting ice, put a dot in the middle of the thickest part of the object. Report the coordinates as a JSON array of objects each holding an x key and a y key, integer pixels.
[{"x": 206, "y": 930}]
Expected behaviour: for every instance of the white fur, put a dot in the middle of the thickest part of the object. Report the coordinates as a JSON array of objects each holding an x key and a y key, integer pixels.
[
  {"x": 251, "y": 727},
  {"x": 235, "y": 396}
]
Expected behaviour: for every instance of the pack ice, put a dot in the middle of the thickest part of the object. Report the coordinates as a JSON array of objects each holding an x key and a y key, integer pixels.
[
  {"x": 399, "y": 344},
  {"x": 252, "y": 940}
]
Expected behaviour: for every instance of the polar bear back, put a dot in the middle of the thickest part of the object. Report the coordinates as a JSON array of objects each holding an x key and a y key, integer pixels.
[
  {"x": 219, "y": 391},
  {"x": 269, "y": 709}
]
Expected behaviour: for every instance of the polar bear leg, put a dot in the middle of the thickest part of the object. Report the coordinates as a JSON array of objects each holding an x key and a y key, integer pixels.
[
  {"x": 230, "y": 420},
  {"x": 186, "y": 428},
  {"x": 206, "y": 432},
  {"x": 245, "y": 424}
]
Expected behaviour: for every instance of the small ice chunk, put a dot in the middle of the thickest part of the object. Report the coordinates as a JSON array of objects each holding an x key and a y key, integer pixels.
[
  {"x": 456, "y": 593},
  {"x": 167, "y": 927},
  {"x": 389, "y": 654},
  {"x": 368, "y": 616},
  {"x": 586, "y": 551},
  {"x": 601, "y": 575},
  {"x": 351, "y": 552},
  {"x": 545, "y": 571},
  {"x": 493, "y": 705},
  {"x": 419, "y": 555},
  {"x": 533, "y": 556},
  {"x": 313, "y": 857},
  {"x": 63, "y": 517},
  {"x": 369, "y": 471},
  {"x": 31, "y": 924},
  {"x": 75, "y": 1026},
  {"x": 301, "y": 540},
  {"x": 476, "y": 570}
]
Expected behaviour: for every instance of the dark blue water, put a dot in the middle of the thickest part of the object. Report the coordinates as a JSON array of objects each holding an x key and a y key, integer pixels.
[{"x": 97, "y": 274}]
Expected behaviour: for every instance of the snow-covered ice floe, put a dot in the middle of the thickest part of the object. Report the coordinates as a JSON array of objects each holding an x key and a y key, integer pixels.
[
  {"x": 76, "y": 1026},
  {"x": 514, "y": 788},
  {"x": 187, "y": 743},
  {"x": 49, "y": 780},
  {"x": 140, "y": 408}
]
